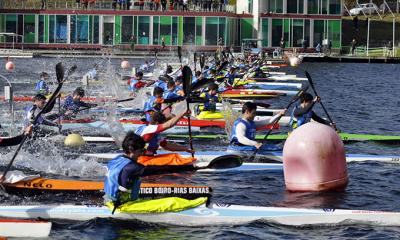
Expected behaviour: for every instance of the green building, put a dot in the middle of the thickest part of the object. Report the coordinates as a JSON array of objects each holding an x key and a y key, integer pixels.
[{"x": 269, "y": 20}]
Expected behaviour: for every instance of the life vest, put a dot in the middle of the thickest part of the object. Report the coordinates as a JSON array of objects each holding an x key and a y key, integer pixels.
[
  {"x": 41, "y": 87},
  {"x": 153, "y": 144},
  {"x": 29, "y": 116},
  {"x": 152, "y": 105},
  {"x": 161, "y": 84},
  {"x": 250, "y": 131},
  {"x": 303, "y": 119},
  {"x": 231, "y": 78},
  {"x": 111, "y": 185},
  {"x": 211, "y": 102}
]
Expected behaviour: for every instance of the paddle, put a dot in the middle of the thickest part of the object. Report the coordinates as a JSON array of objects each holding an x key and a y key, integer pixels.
[
  {"x": 260, "y": 104},
  {"x": 180, "y": 54},
  {"x": 195, "y": 60},
  {"x": 61, "y": 80},
  {"x": 316, "y": 94},
  {"x": 202, "y": 61},
  {"x": 187, "y": 79},
  {"x": 201, "y": 82},
  {"x": 60, "y": 76},
  {"x": 293, "y": 100},
  {"x": 221, "y": 162}
]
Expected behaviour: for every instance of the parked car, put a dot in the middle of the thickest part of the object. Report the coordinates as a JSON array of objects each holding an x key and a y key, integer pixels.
[{"x": 368, "y": 8}]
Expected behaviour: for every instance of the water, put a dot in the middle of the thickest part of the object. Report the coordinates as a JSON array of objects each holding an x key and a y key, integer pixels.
[{"x": 361, "y": 98}]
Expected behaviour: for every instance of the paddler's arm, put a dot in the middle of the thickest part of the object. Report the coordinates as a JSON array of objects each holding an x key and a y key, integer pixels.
[
  {"x": 173, "y": 121},
  {"x": 241, "y": 136},
  {"x": 300, "y": 111},
  {"x": 271, "y": 120},
  {"x": 175, "y": 147},
  {"x": 129, "y": 174},
  {"x": 317, "y": 118},
  {"x": 5, "y": 142}
]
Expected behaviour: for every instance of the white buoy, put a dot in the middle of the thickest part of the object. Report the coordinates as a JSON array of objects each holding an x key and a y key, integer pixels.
[
  {"x": 74, "y": 140},
  {"x": 10, "y": 66},
  {"x": 294, "y": 61},
  {"x": 125, "y": 64}
]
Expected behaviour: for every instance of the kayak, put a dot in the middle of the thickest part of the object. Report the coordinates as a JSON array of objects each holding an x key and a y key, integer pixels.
[
  {"x": 24, "y": 228},
  {"x": 279, "y": 78},
  {"x": 197, "y": 125},
  {"x": 246, "y": 93},
  {"x": 147, "y": 190},
  {"x": 346, "y": 137},
  {"x": 207, "y": 156},
  {"x": 215, "y": 214}
]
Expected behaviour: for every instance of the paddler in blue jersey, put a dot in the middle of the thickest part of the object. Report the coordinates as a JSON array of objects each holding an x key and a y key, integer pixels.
[
  {"x": 244, "y": 131},
  {"x": 231, "y": 75},
  {"x": 123, "y": 172},
  {"x": 73, "y": 103},
  {"x": 153, "y": 104},
  {"x": 210, "y": 98},
  {"x": 303, "y": 113},
  {"x": 41, "y": 86}
]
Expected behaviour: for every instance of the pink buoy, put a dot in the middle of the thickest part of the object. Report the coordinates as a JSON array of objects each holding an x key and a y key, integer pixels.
[
  {"x": 125, "y": 64},
  {"x": 10, "y": 66},
  {"x": 314, "y": 159}
]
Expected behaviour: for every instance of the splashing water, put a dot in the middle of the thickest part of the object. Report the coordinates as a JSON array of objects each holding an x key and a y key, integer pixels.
[{"x": 230, "y": 117}]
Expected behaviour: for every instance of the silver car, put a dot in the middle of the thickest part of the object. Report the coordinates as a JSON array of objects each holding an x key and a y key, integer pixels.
[{"x": 367, "y": 8}]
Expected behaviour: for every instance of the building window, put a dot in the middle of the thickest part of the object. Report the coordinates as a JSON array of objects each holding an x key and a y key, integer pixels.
[
  {"x": 79, "y": 29},
  {"x": 199, "y": 30},
  {"x": 277, "y": 29},
  {"x": 295, "y": 6},
  {"x": 334, "y": 7},
  {"x": 156, "y": 30},
  {"x": 165, "y": 29},
  {"x": 221, "y": 30},
  {"x": 127, "y": 29},
  {"x": 297, "y": 32},
  {"x": 189, "y": 28},
  {"x": 11, "y": 26},
  {"x": 264, "y": 29},
  {"x": 29, "y": 28},
  {"x": 143, "y": 30},
  {"x": 312, "y": 7},
  {"x": 175, "y": 31},
  {"x": 275, "y": 6},
  {"x": 211, "y": 30},
  {"x": 58, "y": 29}
]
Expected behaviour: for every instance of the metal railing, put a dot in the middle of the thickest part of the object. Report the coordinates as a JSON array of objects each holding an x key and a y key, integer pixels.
[{"x": 147, "y": 5}]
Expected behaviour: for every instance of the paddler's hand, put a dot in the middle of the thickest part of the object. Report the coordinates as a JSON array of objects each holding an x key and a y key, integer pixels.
[
  {"x": 28, "y": 130},
  {"x": 317, "y": 99},
  {"x": 283, "y": 112},
  {"x": 190, "y": 150},
  {"x": 258, "y": 145}
]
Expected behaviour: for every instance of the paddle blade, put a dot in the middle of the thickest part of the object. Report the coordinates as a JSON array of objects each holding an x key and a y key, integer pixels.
[
  {"x": 200, "y": 83},
  {"x": 187, "y": 79},
  {"x": 202, "y": 61},
  {"x": 180, "y": 54},
  {"x": 195, "y": 58},
  {"x": 222, "y": 66},
  {"x": 226, "y": 161},
  {"x": 59, "y": 72}
]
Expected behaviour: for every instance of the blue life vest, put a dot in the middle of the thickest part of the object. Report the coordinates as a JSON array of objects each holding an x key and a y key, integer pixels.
[
  {"x": 29, "y": 116},
  {"x": 132, "y": 84},
  {"x": 41, "y": 87},
  {"x": 111, "y": 185},
  {"x": 71, "y": 105},
  {"x": 151, "y": 105},
  {"x": 161, "y": 84},
  {"x": 231, "y": 78},
  {"x": 153, "y": 144},
  {"x": 265, "y": 148},
  {"x": 211, "y": 102},
  {"x": 303, "y": 119},
  {"x": 250, "y": 131},
  {"x": 168, "y": 94}
]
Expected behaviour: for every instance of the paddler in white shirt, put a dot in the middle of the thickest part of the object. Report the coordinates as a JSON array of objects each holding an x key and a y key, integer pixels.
[{"x": 244, "y": 131}]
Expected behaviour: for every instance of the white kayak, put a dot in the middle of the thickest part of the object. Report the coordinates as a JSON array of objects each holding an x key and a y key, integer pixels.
[
  {"x": 216, "y": 214},
  {"x": 207, "y": 156},
  {"x": 24, "y": 228}
]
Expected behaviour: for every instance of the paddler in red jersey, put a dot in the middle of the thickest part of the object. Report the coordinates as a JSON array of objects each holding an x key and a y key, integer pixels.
[
  {"x": 151, "y": 135},
  {"x": 5, "y": 142}
]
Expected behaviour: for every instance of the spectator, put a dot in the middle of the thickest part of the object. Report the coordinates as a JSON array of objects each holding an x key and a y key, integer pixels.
[
  {"x": 156, "y": 4},
  {"x": 163, "y": 43},
  {"x": 330, "y": 47},
  {"x": 221, "y": 4},
  {"x": 43, "y": 4},
  {"x": 185, "y": 5},
  {"x": 84, "y": 4},
  {"x": 353, "y": 46},
  {"x": 318, "y": 48},
  {"x": 114, "y": 4},
  {"x": 132, "y": 41},
  {"x": 141, "y": 5},
  {"x": 164, "y": 5},
  {"x": 151, "y": 3},
  {"x": 92, "y": 3},
  {"x": 78, "y": 3}
]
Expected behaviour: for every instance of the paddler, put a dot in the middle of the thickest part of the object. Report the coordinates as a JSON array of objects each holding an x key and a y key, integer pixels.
[
  {"x": 151, "y": 134},
  {"x": 73, "y": 103},
  {"x": 230, "y": 76},
  {"x": 136, "y": 83},
  {"x": 5, "y": 142},
  {"x": 210, "y": 98},
  {"x": 244, "y": 131},
  {"x": 304, "y": 113},
  {"x": 39, "y": 101},
  {"x": 123, "y": 172},
  {"x": 41, "y": 86},
  {"x": 153, "y": 104}
]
